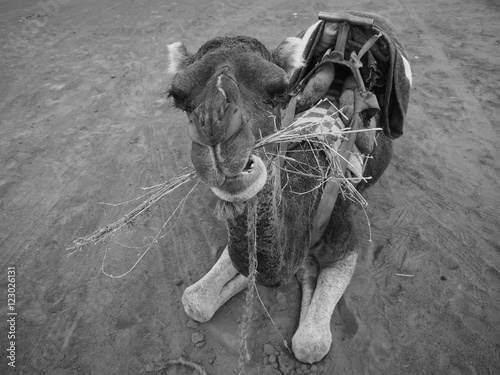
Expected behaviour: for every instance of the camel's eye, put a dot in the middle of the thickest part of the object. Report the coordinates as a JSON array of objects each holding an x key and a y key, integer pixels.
[
  {"x": 176, "y": 95},
  {"x": 273, "y": 102},
  {"x": 276, "y": 97},
  {"x": 181, "y": 90},
  {"x": 281, "y": 96},
  {"x": 180, "y": 99},
  {"x": 277, "y": 88}
]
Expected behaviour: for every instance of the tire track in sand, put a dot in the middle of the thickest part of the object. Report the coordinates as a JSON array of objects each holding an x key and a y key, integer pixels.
[
  {"x": 158, "y": 146},
  {"x": 458, "y": 242},
  {"x": 51, "y": 203}
]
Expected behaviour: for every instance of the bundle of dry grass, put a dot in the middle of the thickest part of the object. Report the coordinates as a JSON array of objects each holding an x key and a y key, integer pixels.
[
  {"x": 298, "y": 131},
  {"x": 314, "y": 133}
]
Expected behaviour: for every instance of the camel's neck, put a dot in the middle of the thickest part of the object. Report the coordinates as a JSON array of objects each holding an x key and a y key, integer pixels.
[{"x": 283, "y": 227}]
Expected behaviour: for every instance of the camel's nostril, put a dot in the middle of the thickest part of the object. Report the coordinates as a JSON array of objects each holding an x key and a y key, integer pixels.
[
  {"x": 248, "y": 166},
  {"x": 222, "y": 111}
]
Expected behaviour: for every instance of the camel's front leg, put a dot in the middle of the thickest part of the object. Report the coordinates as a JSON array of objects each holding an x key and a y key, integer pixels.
[
  {"x": 313, "y": 338},
  {"x": 202, "y": 299}
]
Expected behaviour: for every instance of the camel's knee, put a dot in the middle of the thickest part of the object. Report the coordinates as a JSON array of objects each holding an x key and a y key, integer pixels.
[{"x": 308, "y": 271}]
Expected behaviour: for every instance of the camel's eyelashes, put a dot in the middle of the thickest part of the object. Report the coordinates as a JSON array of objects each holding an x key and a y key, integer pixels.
[
  {"x": 178, "y": 99},
  {"x": 276, "y": 100},
  {"x": 181, "y": 100},
  {"x": 277, "y": 89},
  {"x": 174, "y": 95},
  {"x": 182, "y": 105}
]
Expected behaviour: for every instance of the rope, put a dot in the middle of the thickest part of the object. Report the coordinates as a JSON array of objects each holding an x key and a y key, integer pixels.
[{"x": 250, "y": 294}]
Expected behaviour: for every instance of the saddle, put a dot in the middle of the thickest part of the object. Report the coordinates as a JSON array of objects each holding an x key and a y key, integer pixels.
[{"x": 356, "y": 61}]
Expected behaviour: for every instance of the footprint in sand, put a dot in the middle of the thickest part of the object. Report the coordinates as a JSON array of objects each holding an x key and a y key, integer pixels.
[
  {"x": 380, "y": 347},
  {"x": 348, "y": 322},
  {"x": 453, "y": 365},
  {"x": 492, "y": 277}
]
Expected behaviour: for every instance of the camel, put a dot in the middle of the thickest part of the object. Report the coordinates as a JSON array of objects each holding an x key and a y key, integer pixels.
[{"x": 233, "y": 90}]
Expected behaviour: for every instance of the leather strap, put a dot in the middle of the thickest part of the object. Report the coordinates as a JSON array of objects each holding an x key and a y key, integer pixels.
[
  {"x": 332, "y": 188},
  {"x": 342, "y": 34},
  {"x": 346, "y": 17}
]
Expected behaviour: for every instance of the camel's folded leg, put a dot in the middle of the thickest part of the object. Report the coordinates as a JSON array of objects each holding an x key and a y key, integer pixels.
[
  {"x": 313, "y": 338},
  {"x": 308, "y": 278},
  {"x": 202, "y": 299}
]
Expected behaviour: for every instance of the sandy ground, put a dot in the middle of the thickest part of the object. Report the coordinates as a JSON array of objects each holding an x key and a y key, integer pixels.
[{"x": 84, "y": 120}]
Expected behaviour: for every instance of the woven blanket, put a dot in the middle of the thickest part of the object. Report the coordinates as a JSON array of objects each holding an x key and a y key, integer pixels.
[{"x": 325, "y": 118}]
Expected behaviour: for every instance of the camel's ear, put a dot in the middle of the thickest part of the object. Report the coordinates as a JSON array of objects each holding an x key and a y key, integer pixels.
[
  {"x": 289, "y": 54},
  {"x": 179, "y": 57}
]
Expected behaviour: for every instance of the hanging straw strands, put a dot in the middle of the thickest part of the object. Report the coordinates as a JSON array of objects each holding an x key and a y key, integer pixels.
[
  {"x": 319, "y": 140},
  {"x": 157, "y": 192},
  {"x": 152, "y": 241}
]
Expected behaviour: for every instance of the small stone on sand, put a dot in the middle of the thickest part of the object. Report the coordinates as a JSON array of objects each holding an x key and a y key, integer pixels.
[{"x": 197, "y": 337}]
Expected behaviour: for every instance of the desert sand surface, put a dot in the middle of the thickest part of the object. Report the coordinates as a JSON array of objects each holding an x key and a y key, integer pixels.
[{"x": 85, "y": 125}]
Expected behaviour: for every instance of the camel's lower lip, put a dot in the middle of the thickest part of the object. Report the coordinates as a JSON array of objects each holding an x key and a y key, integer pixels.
[{"x": 246, "y": 184}]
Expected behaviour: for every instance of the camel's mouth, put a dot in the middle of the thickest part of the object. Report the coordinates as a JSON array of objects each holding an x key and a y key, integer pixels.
[{"x": 244, "y": 185}]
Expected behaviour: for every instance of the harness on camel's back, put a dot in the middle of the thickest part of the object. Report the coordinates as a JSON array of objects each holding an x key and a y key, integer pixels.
[{"x": 355, "y": 62}]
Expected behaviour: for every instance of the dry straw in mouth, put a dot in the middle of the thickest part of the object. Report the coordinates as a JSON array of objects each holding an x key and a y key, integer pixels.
[{"x": 295, "y": 133}]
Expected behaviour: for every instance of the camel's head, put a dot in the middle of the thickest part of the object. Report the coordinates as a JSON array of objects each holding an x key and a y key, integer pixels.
[{"x": 231, "y": 90}]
